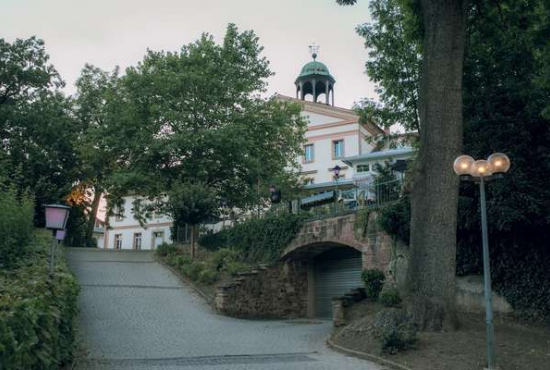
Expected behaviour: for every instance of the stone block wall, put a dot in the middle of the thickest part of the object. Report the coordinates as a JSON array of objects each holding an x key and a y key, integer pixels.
[{"x": 271, "y": 292}]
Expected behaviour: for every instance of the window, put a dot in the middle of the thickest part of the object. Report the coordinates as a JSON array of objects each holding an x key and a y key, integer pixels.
[
  {"x": 137, "y": 241},
  {"x": 309, "y": 153},
  {"x": 119, "y": 213},
  {"x": 309, "y": 181},
  {"x": 118, "y": 241},
  {"x": 363, "y": 168},
  {"x": 338, "y": 149}
]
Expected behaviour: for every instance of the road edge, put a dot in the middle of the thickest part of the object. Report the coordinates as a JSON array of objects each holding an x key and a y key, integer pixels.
[{"x": 366, "y": 356}]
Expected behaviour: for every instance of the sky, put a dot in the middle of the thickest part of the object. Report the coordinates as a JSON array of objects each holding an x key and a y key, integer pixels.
[{"x": 109, "y": 33}]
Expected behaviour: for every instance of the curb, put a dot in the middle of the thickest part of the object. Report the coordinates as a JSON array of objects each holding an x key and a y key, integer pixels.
[
  {"x": 367, "y": 356},
  {"x": 186, "y": 281}
]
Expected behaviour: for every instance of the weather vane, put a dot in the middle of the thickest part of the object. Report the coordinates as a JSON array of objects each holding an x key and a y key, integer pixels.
[{"x": 314, "y": 50}]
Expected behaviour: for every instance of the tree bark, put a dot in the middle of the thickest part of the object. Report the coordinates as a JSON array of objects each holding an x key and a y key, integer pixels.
[
  {"x": 93, "y": 213},
  {"x": 432, "y": 265}
]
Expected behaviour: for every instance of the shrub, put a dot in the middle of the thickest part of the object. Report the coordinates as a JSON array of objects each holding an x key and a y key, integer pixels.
[
  {"x": 166, "y": 249},
  {"x": 390, "y": 297},
  {"x": 36, "y": 313},
  {"x": 235, "y": 267},
  {"x": 193, "y": 269},
  {"x": 394, "y": 219},
  {"x": 181, "y": 261},
  {"x": 16, "y": 227},
  {"x": 374, "y": 282},
  {"x": 222, "y": 257},
  {"x": 213, "y": 242},
  {"x": 208, "y": 276},
  {"x": 257, "y": 240},
  {"x": 395, "y": 329}
]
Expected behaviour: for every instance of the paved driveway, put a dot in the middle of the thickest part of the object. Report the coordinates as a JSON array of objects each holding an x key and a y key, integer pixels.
[{"x": 135, "y": 314}]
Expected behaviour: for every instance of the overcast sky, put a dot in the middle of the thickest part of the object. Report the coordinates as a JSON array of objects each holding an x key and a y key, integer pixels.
[{"x": 107, "y": 33}]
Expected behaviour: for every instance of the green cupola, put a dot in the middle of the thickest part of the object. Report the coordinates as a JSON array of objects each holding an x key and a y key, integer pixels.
[{"x": 315, "y": 80}]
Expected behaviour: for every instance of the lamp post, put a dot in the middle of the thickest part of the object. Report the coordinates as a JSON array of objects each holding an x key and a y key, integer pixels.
[
  {"x": 56, "y": 220},
  {"x": 481, "y": 171},
  {"x": 336, "y": 171}
]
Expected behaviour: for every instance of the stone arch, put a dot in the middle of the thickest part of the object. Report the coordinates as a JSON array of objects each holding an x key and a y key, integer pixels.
[{"x": 309, "y": 250}]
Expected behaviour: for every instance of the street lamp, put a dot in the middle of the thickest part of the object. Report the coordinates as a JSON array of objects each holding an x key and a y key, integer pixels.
[
  {"x": 480, "y": 171},
  {"x": 336, "y": 171},
  {"x": 56, "y": 220}
]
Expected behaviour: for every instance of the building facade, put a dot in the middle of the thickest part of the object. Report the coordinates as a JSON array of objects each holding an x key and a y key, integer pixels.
[
  {"x": 125, "y": 231},
  {"x": 333, "y": 135}
]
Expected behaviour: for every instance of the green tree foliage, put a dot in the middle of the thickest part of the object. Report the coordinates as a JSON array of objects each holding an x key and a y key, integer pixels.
[
  {"x": 197, "y": 114},
  {"x": 257, "y": 240},
  {"x": 16, "y": 227},
  {"x": 99, "y": 110},
  {"x": 36, "y": 127},
  {"x": 506, "y": 87},
  {"x": 193, "y": 204}
]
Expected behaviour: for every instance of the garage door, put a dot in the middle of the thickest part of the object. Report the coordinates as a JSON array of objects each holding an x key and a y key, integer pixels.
[{"x": 336, "y": 273}]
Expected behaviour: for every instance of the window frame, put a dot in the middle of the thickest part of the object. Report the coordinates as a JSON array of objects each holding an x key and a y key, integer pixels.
[
  {"x": 361, "y": 165},
  {"x": 305, "y": 160},
  {"x": 134, "y": 239},
  {"x": 333, "y": 149},
  {"x": 118, "y": 241}
]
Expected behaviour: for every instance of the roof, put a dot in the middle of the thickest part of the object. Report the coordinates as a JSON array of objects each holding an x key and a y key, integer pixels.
[
  {"x": 315, "y": 68},
  {"x": 383, "y": 154},
  {"x": 343, "y": 113}
]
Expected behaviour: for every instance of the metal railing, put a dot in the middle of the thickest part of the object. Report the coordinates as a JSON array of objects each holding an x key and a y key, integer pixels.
[{"x": 372, "y": 195}]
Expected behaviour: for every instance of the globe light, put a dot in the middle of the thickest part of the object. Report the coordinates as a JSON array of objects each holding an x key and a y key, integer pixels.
[
  {"x": 463, "y": 164},
  {"x": 499, "y": 162},
  {"x": 481, "y": 168}
]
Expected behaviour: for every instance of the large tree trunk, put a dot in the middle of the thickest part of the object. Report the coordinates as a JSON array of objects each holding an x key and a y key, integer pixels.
[
  {"x": 431, "y": 273},
  {"x": 93, "y": 213}
]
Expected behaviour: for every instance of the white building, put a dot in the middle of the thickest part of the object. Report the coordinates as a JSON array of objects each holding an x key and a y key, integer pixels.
[
  {"x": 125, "y": 231},
  {"x": 333, "y": 135}
]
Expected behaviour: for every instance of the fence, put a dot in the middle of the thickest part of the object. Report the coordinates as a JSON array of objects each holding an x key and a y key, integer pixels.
[{"x": 372, "y": 195}]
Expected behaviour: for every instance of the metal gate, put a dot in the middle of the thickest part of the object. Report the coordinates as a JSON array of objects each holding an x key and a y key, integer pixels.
[{"x": 336, "y": 273}]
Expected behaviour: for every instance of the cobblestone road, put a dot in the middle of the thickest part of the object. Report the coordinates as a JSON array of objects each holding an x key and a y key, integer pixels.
[{"x": 135, "y": 314}]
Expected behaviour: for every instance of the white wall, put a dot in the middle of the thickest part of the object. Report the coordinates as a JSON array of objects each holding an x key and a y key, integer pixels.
[{"x": 128, "y": 226}]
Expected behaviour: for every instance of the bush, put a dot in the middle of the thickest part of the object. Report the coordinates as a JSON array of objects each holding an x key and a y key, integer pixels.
[
  {"x": 390, "y": 297},
  {"x": 374, "y": 282},
  {"x": 235, "y": 267},
  {"x": 395, "y": 219},
  {"x": 395, "y": 329},
  {"x": 257, "y": 240},
  {"x": 193, "y": 269},
  {"x": 222, "y": 257},
  {"x": 214, "y": 241},
  {"x": 16, "y": 227},
  {"x": 208, "y": 276},
  {"x": 180, "y": 261},
  {"x": 166, "y": 249},
  {"x": 36, "y": 313}
]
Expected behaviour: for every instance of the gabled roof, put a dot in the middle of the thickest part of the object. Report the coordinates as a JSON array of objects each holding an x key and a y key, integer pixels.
[{"x": 329, "y": 110}]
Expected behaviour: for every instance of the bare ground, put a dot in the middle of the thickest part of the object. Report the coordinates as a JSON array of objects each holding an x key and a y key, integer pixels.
[{"x": 519, "y": 345}]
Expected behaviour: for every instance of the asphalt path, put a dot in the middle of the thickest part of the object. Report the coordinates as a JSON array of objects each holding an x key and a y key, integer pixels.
[{"x": 136, "y": 314}]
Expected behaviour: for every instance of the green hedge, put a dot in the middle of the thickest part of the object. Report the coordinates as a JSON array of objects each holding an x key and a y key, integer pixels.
[
  {"x": 16, "y": 227},
  {"x": 257, "y": 240},
  {"x": 37, "y": 313}
]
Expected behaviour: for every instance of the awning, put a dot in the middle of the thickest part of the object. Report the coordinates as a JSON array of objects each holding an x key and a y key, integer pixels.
[{"x": 318, "y": 198}]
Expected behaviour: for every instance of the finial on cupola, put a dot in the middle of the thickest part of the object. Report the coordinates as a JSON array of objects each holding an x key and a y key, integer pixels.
[{"x": 314, "y": 50}]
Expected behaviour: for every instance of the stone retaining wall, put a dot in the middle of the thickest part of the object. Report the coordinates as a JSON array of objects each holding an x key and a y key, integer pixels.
[{"x": 275, "y": 292}]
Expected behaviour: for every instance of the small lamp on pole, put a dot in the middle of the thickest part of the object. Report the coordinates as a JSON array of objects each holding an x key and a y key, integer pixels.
[
  {"x": 56, "y": 220},
  {"x": 481, "y": 171},
  {"x": 336, "y": 171}
]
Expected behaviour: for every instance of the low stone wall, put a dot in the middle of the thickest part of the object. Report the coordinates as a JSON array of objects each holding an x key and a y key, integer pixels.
[
  {"x": 274, "y": 292},
  {"x": 470, "y": 296}
]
